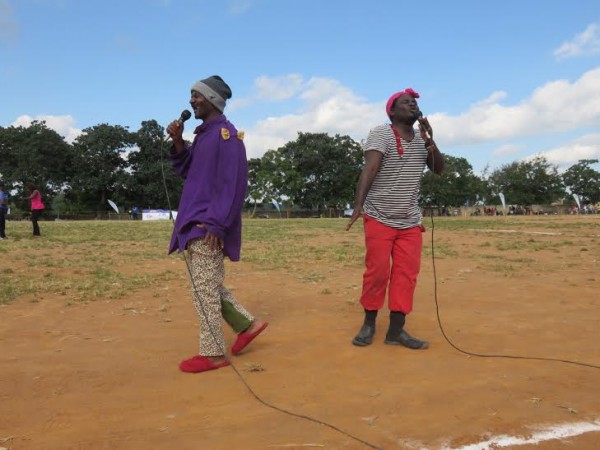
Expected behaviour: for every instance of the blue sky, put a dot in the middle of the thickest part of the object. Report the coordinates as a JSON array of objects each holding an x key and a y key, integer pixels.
[{"x": 500, "y": 81}]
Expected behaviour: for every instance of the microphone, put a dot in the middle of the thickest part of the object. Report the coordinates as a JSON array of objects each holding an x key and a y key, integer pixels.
[
  {"x": 425, "y": 125},
  {"x": 185, "y": 115}
]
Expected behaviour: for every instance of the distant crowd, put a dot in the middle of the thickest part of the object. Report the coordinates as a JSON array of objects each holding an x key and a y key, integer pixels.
[{"x": 585, "y": 209}]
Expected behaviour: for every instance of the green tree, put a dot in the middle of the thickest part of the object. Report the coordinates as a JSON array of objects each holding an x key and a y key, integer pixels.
[
  {"x": 148, "y": 163},
  {"x": 582, "y": 179},
  {"x": 35, "y": 155},
  {"x": 100, "y": 167},
  {"x": 320, "y": 171},
  {"x": 271, "y": 178},
  {"x": 257, "y": 190},
  {"x": 59, "y": 204},
  {"x": 533, "y": 182},
  {"x": 457, "y": 186}
]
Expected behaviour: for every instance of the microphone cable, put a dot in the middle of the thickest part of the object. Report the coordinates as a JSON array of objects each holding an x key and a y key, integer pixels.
[
  {"x": 213, "y": 334},
  {"x": 480, "y": 355}
]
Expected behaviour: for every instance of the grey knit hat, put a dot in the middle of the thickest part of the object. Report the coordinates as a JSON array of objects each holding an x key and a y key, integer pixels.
[{"x": 215, "y": 90}]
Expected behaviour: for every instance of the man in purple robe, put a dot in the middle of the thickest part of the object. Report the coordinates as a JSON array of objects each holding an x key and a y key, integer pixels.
[{"x": 209, "y": 220}]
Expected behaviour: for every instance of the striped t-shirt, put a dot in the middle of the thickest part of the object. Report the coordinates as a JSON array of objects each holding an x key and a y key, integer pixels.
[{"x": 394, "y": 195}]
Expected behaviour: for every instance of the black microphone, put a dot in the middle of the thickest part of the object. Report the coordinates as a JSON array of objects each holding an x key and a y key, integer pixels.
[
  {"x": 423, "y": 121},
  {"x": 185, "y": 115}
]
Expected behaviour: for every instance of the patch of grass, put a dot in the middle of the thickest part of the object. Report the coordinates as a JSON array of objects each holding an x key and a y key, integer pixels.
[
  {"x": 509, "y": 245},
  {"x": 79, "y": 260},
  {"x": 505, "y": 258},
  {"x": 531, "y": 244},
  {"x": 539, "y": 223},
  {"x": 88, "y": 260},
  {"x": 295, "y": 243},
  {"x": 9, "y": 289},
  {"x": 440, "y": 248},
  {"x": 311, "y": 277},
  {"x": 503, "y": 268}
]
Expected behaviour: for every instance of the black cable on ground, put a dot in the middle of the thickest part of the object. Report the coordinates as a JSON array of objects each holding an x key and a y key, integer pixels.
[{"x": 482, "y": 355}]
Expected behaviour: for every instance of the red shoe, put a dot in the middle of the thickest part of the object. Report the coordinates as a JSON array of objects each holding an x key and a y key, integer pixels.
[
  {"x": 243, "y": 339},
  {"x": 200, "y": 363}
]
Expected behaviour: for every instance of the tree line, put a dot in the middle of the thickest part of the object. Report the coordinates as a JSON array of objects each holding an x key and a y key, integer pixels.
[{"x": 316, "y": 171}]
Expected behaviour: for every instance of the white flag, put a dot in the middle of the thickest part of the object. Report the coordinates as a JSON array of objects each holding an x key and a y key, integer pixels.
[
  {"x": 276, "y": 204},
  {"x": 576, "y": 197},
  {"x": 114, "y": 206},
  {"x": 502, "y": 199}
]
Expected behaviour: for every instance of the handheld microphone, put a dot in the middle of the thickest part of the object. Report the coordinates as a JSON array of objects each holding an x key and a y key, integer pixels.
[
  {"x": 425, "y": 125},
  {"x": 185, "y": 115}
]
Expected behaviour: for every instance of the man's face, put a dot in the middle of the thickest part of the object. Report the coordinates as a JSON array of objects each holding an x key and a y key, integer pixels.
[
  {"x": 405, "y": 109},
  {"x": 200, "y": 105}
]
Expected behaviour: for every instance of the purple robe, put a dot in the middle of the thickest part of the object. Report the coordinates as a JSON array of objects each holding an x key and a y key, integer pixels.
[{"x": 215, "y": 170}]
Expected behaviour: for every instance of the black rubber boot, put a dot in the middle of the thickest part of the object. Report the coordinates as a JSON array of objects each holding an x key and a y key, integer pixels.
[
  {"x": 367, "y": 331},
  {"x": 397, "y": 336}
]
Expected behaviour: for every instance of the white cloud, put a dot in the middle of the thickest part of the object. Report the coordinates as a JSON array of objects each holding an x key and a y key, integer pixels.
[
  {"x": 269, "y": 89},
  {"x": 327, "y": 106},
  {"x": 506, "y": 150},
  {"x": 585, "y": 43},
  {"x": 63, "y": 125},
  {"x": 585, "y": 147},
  {"x": 9, "y": 27},
  {"x": 557, "y": 106},
  {"x": 278, "y": 88},
  {"x": 492, "y": 99}
]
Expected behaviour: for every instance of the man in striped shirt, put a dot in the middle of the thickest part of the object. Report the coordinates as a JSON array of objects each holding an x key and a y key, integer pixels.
[{"x": 387, "y": 197}]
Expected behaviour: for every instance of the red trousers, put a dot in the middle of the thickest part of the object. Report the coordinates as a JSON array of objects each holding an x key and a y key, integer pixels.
[{"x": 401, "y": 247}]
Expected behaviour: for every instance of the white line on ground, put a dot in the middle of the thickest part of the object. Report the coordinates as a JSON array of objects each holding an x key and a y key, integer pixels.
[{"x": 562, "y": 431}]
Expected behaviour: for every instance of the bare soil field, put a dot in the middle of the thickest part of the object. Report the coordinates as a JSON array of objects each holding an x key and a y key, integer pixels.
[{"x": 95, "y": 365}]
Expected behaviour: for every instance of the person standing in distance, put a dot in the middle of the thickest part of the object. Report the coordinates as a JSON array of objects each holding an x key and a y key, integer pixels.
[
  {"x": 3, "y": 210},
  {"x": 387, "y": 197},
  {"x": 209, "y": 220},
  {"x": 37, "y": 208}
]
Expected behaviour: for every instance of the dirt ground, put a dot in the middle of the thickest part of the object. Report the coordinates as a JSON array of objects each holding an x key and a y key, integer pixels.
[{"x": 104, "y": 375}]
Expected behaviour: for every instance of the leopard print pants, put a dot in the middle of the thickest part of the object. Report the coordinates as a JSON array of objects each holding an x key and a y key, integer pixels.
[{"x": 207, "y": 269}]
